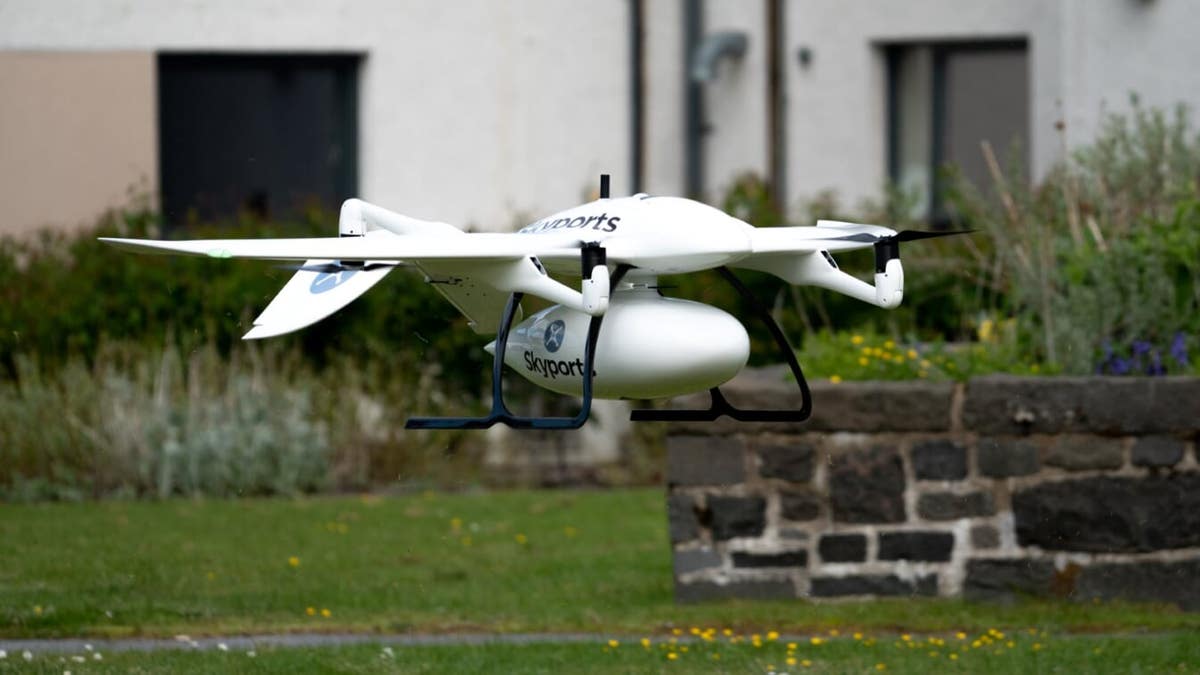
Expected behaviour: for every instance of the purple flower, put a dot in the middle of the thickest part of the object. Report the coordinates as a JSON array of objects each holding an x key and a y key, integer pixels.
[
  {"x": 1179, "y": 349},
  {"x": 1141, "y": 347}
]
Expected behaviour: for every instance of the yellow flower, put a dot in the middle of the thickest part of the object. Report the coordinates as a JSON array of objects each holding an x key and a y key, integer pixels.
[
  {"x": 671, "y": 656},
  {"x": 856, "y": 340},
  {"x": 986, "y": 330},
  {"x": 772, "y": 635},
  {"x": 867, "y": 351},
  {"x": 815, "y": 640},
  {"x": 791, "y": 660},
  {"x": 326, "y": 613},
  {"x": 614, "y": 643},
  {"x": 311, "y": 611},
  {"x": 888, "y": 344},
  {"x": 521, "y": 539},
  {"x": 906, "y": 637},
  {"x": 960, "y": 635},
  {"x": 835, "y": 379},
  {"x": 1037, "y": 646},
  {"x": 294, "y": 561},
  {"x": 791, "y": 646},
  {"x": 466, "y": 541},
  {"x": 834, "y": 632},
  {"x": 806, "y": 663},
  {"x": 570, "y": 531},
  {"x": 858, "y": 636},
  {"x": 862, "y": 361},
  {"x": 912, "y": 354},
  {"x": 455, "y": 524},
  {"x": 880, "y": 666},
  {"x": 954, "y": 657},
  {"x": 646, "y": 643}
]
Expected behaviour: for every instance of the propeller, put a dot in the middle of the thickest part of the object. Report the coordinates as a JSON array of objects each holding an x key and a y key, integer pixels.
[{"x": 888, "y": 248}]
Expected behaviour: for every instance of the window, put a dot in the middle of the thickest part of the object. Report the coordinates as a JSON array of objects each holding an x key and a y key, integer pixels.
[
  {"x": 269, "y": 134},
  {"x": 944, "y": 100}
]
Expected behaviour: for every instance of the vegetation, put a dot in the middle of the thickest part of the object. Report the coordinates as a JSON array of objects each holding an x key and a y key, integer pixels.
[
  {"x": 124, "y": 375},
  {"x": 1177, "y": 653},
  {"x": 428, "y": 563}
]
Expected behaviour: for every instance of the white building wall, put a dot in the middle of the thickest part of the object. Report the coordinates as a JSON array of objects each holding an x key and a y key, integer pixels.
[
  {"x": 488, "y": 113},
  {"x": 837, "y": 105},
  {"x": 474, "y": 112}
]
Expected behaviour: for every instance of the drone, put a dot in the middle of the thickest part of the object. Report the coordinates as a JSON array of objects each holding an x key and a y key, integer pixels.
[{"x": 652, "y": 346}]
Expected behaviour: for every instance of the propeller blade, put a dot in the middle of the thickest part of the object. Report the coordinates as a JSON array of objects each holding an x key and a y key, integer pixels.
[{"x": 914, "y": 235}]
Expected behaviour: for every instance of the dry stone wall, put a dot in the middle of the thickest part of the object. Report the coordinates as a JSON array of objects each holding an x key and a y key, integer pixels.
[{"x": 1066, "y": 487}]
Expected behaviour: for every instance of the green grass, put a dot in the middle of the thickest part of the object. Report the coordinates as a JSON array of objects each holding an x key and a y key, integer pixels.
[
  {"x": 1154, "y": 654},
  {"x": 485, "y": 562}
]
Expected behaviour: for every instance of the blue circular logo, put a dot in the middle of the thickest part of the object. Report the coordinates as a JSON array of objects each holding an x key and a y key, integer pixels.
[
  {"x": 555, "y": 333},
  {"x": 327, "y": 281}
]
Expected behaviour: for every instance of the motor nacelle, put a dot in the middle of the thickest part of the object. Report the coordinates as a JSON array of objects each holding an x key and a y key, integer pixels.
[{"x": 649, "y": 347}]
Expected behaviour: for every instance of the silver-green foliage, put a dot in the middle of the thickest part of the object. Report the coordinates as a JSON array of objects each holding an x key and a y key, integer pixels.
[{"x": 168, "y": 425}]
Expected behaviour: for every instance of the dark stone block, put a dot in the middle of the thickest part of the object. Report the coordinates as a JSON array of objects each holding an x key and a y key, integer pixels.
[
  {"x": 939, "y": 459},
  {"x": 799, "y": 506},
  {"x": 705, "y": 460},
  {"x": 867, "y": 486},
  {"x": 783, "y": 559},
  {"x": 1000, "y": 579},
  {"x": 950, "y": 506},
  {"x": 930, "y": 546},
  {"x": 681, "y": 518},
  {"x": 1005, "y": 457},
  {"x": 1116, "y": 406},
  {"x": 1157, "y": 451},
  {"x": 872, "y": 584},
  {"x": 848, "y": 406},
  {"x": 842, "y": 548},
  {"x": 1108, "y": 514},
  {"x": 737, "y": 516},
  {"x": 701, "y": 591},
  {"x": 695, "y": 559},
  {"x": 790, "y": 461},
  {"x": 985, "y": 536},
  {"x": 1080, "y": 453},
  {"x": 1171, "y": 582}
]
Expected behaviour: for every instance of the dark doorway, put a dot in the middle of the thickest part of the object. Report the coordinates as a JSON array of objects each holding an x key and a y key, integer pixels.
[{"x": 270, "y": 135}]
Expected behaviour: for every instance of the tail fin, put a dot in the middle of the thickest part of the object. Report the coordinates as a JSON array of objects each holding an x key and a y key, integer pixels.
[{"x": 313, "y": 295}]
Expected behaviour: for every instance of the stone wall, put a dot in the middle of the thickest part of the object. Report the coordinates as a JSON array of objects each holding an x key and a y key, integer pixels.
[{"x": 1067, "y": 487}]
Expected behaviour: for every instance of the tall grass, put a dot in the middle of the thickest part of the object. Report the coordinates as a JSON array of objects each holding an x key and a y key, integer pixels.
[{"x": 157, "y": 422}]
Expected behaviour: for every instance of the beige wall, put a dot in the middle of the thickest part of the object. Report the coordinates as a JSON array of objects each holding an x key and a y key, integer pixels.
[{"x": 77, "y": 134}]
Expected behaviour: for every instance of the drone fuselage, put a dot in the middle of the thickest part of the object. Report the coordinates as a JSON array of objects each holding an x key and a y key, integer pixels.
[
  {"x": 651, "y": 346},
  {"x": 684, "y": 235}
]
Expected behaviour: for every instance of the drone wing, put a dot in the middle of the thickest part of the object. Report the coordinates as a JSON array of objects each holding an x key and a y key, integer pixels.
[{"x": 474, "y": 271}]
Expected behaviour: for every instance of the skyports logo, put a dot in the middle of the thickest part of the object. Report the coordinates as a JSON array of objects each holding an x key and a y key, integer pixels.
[
  {"x": 600, "y": 223},
  {"x": 327, "y": 281},
  {"x": 549, "y": 368}
]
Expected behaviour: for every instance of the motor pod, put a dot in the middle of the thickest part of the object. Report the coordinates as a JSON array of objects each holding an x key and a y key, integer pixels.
[
  {"x": 595, "y": 274},
  {"x": 649, "y": 347},
  {"x": 889, "y": 273}
]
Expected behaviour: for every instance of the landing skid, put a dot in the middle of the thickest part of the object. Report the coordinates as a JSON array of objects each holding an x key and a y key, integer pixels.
[{"x": 720, "y": 406}]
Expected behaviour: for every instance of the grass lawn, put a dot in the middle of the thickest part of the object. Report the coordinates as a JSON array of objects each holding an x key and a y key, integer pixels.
[{"x": 489, "y": 562}]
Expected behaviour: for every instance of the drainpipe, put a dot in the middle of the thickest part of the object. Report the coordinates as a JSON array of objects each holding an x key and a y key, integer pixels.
[
  {"x": 693, "y": 103},
  {"x": 637, "y": 89},
  {"x": 701, "y": 56}
]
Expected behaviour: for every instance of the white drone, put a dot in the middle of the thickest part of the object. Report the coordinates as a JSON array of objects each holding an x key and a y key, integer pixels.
[{"x": 652, "y": 346}]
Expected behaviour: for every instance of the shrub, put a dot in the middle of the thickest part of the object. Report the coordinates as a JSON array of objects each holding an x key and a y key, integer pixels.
[{"x": 1096, "y": 263}]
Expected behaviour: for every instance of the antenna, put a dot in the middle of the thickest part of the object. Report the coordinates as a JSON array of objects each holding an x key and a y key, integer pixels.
[{"x": 603, "y": 186}]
